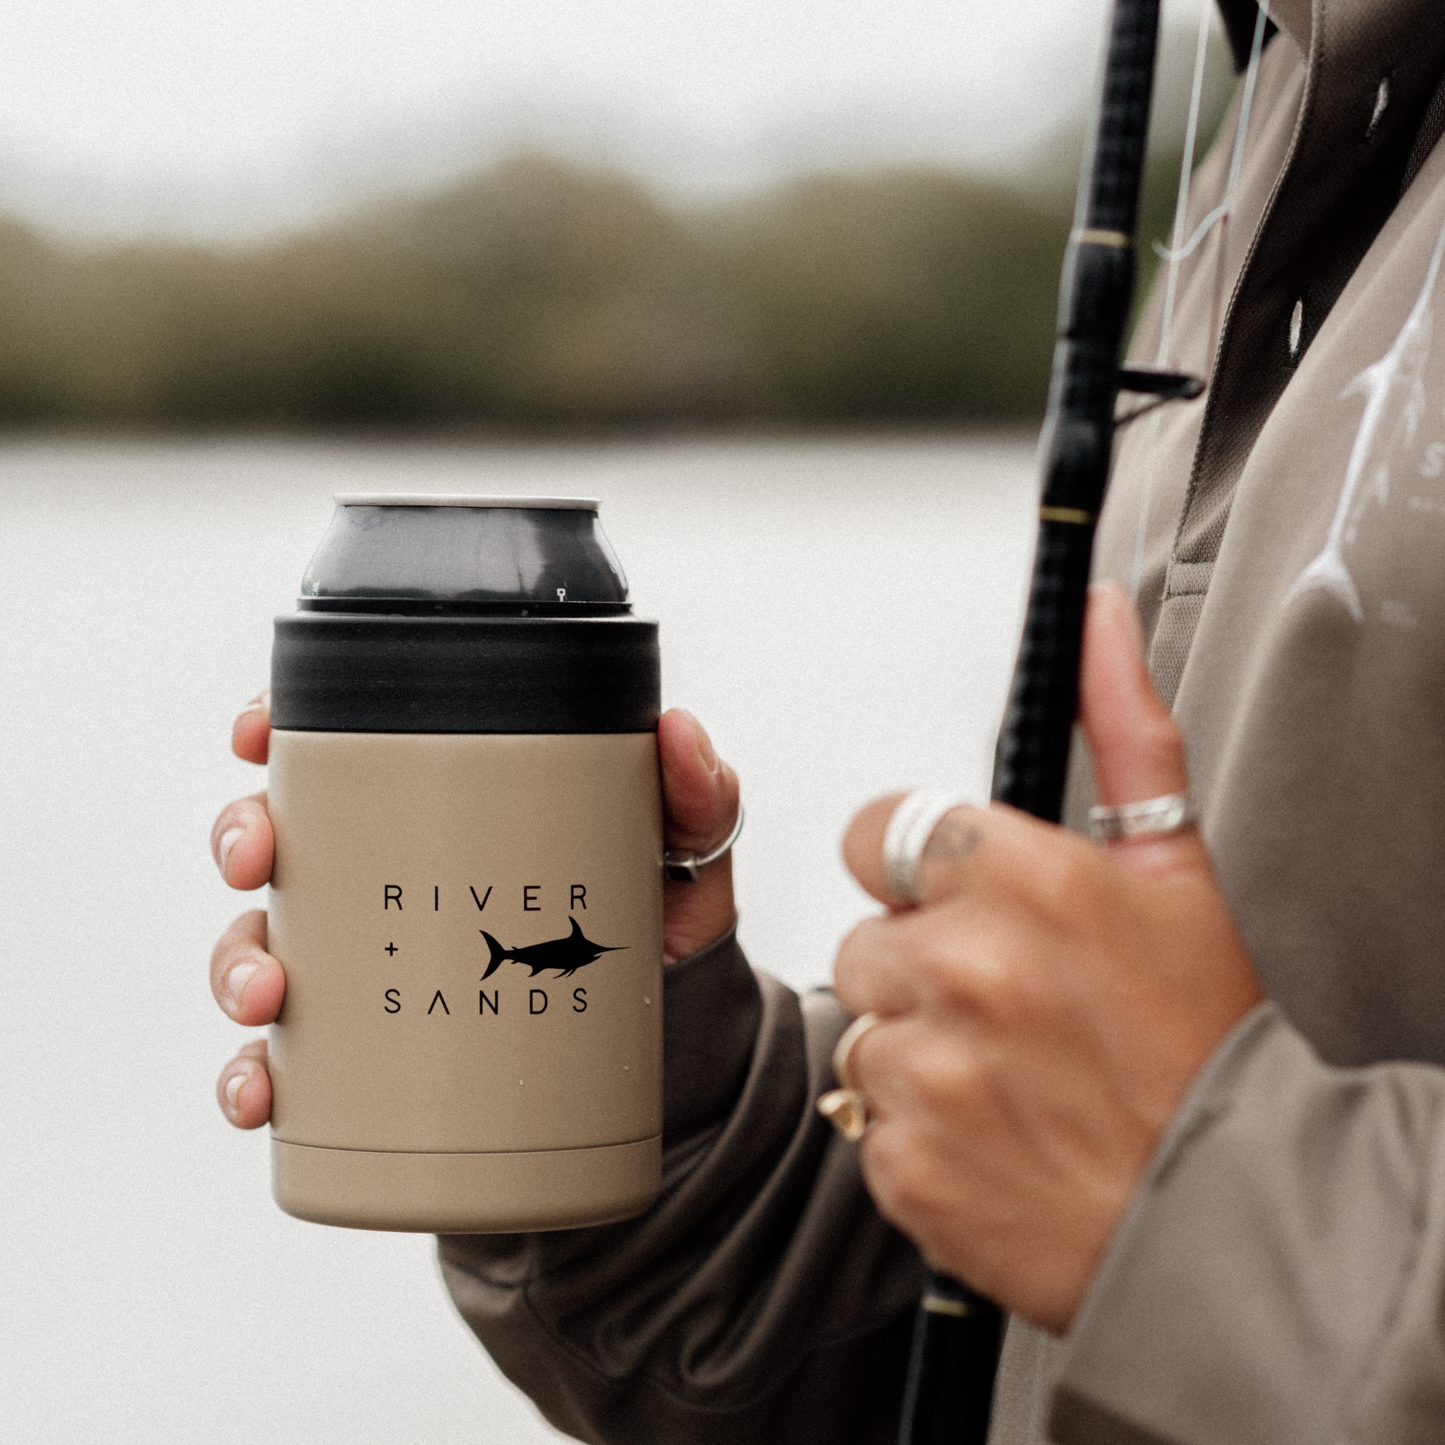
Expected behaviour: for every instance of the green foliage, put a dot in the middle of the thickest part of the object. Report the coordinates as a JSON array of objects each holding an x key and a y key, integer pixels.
[
  {"x": 539, "y": 295},
  {"x": 909, "y": 295}
]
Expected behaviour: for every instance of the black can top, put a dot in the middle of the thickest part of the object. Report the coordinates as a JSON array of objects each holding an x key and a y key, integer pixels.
[
  {"x": 443, "y": 614},
  {"x": 435, "y": 554}
]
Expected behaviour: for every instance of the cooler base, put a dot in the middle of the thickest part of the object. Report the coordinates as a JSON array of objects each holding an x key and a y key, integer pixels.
[{"x": 466, "y": 1193}]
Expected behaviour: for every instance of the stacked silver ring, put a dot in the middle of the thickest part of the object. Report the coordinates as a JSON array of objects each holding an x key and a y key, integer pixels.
[
  {"x": 907, "y": 835},
  {"x": 1149, "y": 818}
]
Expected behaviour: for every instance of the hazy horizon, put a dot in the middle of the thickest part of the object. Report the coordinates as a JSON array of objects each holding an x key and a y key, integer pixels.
[{"x": 229, "y": 122}]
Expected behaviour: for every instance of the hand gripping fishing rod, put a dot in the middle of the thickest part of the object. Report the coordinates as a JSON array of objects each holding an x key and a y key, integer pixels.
[{"x": 958, "y": 1335}]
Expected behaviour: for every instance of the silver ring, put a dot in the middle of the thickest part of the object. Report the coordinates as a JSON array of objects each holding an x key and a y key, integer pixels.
[
  {"x": 1152, "y": 818},
  {"x": 907, "y": 835},
  {"x": 683, "y": 867}
]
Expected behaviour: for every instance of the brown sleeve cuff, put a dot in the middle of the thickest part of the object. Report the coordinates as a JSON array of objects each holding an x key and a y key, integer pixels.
[
  {"x": 711, "y": 1010},
  {"x": 761, "y": 1297}
]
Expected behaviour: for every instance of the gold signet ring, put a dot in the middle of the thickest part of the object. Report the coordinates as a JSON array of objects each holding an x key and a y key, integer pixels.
[{"x": 845, "y": 1108}]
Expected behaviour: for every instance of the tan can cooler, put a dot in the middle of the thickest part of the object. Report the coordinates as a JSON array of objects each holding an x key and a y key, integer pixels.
[{"x": 467, "y": 895}]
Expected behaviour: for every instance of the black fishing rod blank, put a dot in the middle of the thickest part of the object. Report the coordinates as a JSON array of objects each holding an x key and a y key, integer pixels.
[{"x": 959, "y": 1333}]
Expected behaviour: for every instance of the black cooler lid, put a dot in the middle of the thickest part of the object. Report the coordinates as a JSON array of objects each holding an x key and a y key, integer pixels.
[{"x": 439, "y": 613}]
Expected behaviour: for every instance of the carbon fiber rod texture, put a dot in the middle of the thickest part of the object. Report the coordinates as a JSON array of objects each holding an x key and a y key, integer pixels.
[{"x": 955, "y": 1353}]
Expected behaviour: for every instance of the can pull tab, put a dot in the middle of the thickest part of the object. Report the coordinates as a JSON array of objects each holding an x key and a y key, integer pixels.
[{"x": 684, "y": 867}]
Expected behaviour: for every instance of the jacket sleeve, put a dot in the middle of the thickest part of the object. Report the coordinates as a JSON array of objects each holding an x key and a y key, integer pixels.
[
  {"x": 1280, "y": 1276},
  {"x": 761, "y": 1298}
]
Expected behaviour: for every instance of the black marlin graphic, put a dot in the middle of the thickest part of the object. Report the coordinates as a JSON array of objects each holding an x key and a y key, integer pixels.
[{"x": 566, "y": 955}]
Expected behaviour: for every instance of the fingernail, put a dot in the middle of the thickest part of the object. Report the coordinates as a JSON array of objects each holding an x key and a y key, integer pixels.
[
  {"x": 258, "y": 704},
  {"x": 238, "y": 977},
  {"x": 705, "y": 749},
  {"x": 228, "y": 841},
  {"x": 234, "y": 1085}
]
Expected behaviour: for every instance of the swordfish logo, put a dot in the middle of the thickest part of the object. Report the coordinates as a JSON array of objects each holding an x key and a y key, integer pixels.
[
  {"x": 1394, "y": 391},
  {"x": 566, "y": 955}
]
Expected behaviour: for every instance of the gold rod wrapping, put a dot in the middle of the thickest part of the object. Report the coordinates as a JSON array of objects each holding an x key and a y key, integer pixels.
[
  {"x": 1120, "y": 240},
  {"x": 937, "y": 1304}
]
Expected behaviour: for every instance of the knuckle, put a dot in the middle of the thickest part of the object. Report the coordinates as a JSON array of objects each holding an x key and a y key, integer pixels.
[
  {"x": 951, "y": 1082},
  {"x": 1072, "y": 875},
  {"x": 1064, "y": 882},
  {"x": 937, "y": 1082},
  {"x": 960, "y": 974},
  {"x": 997, "y": 996},
  {"x": 1018, "y": 997},
  {"x": 902, "y": 1175},
  {"x": 989, "y": 967},
  {"x": 955, "y": 983},
  {"x": 855, "y": 953},
  {"x": 939, "y": 956}
]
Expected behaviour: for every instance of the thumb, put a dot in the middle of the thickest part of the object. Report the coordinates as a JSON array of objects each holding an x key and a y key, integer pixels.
[
  {"x": 1136, "y": 746},
  {"x": 700, "y": 800},
  {"x": 700, "y": 791}
]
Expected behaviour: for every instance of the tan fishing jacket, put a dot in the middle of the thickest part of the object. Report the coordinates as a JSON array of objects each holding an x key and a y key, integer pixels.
[{"x": 1280, "y": 1276}]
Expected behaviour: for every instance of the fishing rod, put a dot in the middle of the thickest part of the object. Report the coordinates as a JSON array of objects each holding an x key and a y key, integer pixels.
[{"x": 958, "y": 1334}]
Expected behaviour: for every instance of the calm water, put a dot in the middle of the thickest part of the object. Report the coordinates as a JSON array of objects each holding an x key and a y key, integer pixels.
[{"x": 839, "y": 613}]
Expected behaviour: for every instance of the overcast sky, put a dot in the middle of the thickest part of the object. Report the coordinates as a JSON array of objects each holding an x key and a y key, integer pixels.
[{"x": 234, "y": 117}]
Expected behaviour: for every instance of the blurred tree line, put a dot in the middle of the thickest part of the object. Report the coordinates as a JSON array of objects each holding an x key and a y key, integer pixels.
[{"x": 541, "y": 295}]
